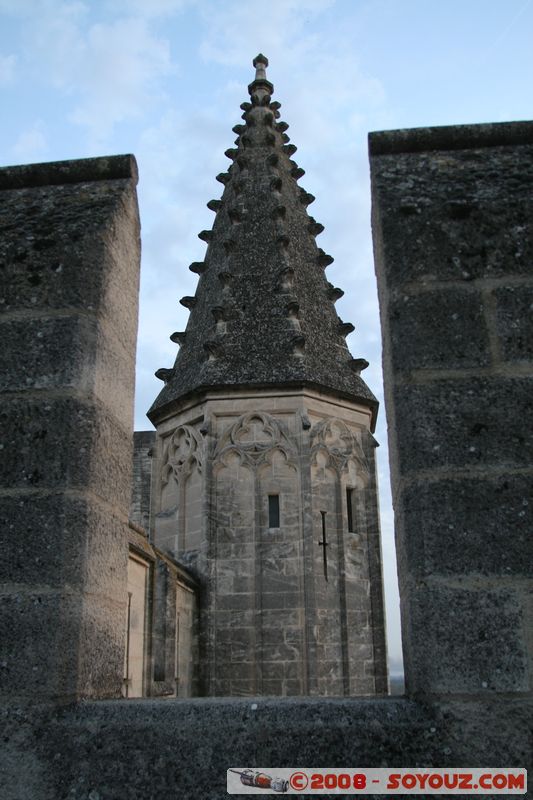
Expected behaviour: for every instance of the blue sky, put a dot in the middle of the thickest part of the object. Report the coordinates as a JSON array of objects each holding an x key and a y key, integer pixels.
[{"x": 163, "y": 79}]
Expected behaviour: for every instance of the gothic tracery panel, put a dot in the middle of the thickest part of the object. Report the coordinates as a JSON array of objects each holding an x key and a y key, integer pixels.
[
  {"x": 342, "y": 445},
  {"x": 182, "y": 454},
  {"x": 253, "y": 436}
]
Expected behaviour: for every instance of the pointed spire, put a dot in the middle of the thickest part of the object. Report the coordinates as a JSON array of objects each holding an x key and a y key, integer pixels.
[{"x": 263, "y": 312}]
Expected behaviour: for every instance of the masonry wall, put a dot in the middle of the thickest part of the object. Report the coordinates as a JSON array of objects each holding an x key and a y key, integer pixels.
[
  {"x": 453, "y": 235},
  {"x": 143, "y": 443},
  {"x": 69, "y": 252}
]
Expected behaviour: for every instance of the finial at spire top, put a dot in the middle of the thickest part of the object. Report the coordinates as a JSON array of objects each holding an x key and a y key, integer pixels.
[
  {"x": 260, "y": 63},
  {"x": 260, "y": 84}
]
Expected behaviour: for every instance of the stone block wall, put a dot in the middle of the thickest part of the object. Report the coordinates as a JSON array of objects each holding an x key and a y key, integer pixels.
[
  {"x": 143, "y": 442},
  {"x": 273, "y": 620},
  {"x": 69, "y": 252},
  {"x": 453, "y": 234}
]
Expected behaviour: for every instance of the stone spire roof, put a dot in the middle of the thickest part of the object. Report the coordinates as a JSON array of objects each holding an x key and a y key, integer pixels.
[{"x": 263, "y": 313}]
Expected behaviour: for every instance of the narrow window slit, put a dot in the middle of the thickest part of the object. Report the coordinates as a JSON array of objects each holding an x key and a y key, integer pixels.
[
  {"x": 349, "y": 508},
  {"x": 273, "y": 511}
]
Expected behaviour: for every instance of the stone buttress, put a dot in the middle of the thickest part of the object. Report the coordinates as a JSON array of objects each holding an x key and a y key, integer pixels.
[{"x": 264, "y": 474}]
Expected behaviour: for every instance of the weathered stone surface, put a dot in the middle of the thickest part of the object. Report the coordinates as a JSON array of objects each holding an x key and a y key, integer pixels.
[
  {"x": 464, "y": 641},
  {"x": 438, "y": 330},
  {"x": 143, "y": 444},
  {"x": 514, "y": 315},
  {"x": 469, "y": 526},
  {"x": 46, "y": 353},
  {"x": 466, "y": 422},
  {"x": 64, "y": 442},
  {"x": 60, "y": 644},
  {"x": 82, "y": 753},
  {"x": 59, "y": 173},
  {"x": 56, "y": 539},
  {"x": 452, "y": 224},
  {"x": 69, "y": 248},
  {"x": 476, "y": 197},
  {"x": 51, "y": 238}
]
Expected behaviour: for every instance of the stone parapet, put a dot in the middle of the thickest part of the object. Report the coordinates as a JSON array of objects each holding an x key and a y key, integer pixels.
[
  {"x": 183, "y": 748},
  {"x": 69, "y": 247},
  {"x": 453, "y": 241}
]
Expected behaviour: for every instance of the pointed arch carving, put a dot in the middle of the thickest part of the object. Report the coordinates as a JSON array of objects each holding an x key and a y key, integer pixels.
[
  {"x": 254, "y": 437},
  {"x": 182, "y": 454},
  {"x": 339, "y": 444}
]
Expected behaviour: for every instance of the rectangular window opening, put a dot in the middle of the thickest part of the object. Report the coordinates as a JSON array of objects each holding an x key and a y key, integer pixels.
[
  {"x": 349, "y": 507},
  {"x": 273, "y": 511}
]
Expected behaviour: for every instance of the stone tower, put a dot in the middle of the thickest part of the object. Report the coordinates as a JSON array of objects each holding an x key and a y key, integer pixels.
[{"x": 264, "y": 473}]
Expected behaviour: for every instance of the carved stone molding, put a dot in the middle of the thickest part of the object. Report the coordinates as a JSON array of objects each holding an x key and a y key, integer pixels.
[
  {"x": 182, "y": 453},
  {"x": 334, "y": 438},
  {"x": 254, "y": 437}
]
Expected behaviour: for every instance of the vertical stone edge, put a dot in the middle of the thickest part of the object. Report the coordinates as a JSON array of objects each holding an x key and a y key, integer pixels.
[
  {"x": 67, "y": 633},
  {"x": 490, "y": 604}
]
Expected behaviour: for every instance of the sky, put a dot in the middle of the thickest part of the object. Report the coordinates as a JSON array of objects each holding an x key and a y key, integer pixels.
[{"x": 163, "y": 79}]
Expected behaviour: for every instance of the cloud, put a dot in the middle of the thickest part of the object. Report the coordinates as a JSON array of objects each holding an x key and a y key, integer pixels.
[
  {"x": 113, "y": 69},
  {"x": 149, "y": 9},
  {"x": 118, "y": 74},
  {"x": 234, "y": 28},
  {"x": 31, "y": 143},
  {"x": 7, "y": 69}
]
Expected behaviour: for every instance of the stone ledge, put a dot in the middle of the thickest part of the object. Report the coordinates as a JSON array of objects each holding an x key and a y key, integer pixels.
[
  {"x": 182, "y": 748},
  {"x": 450, "y": 137},
  {"x": 54, "y": 173}
]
